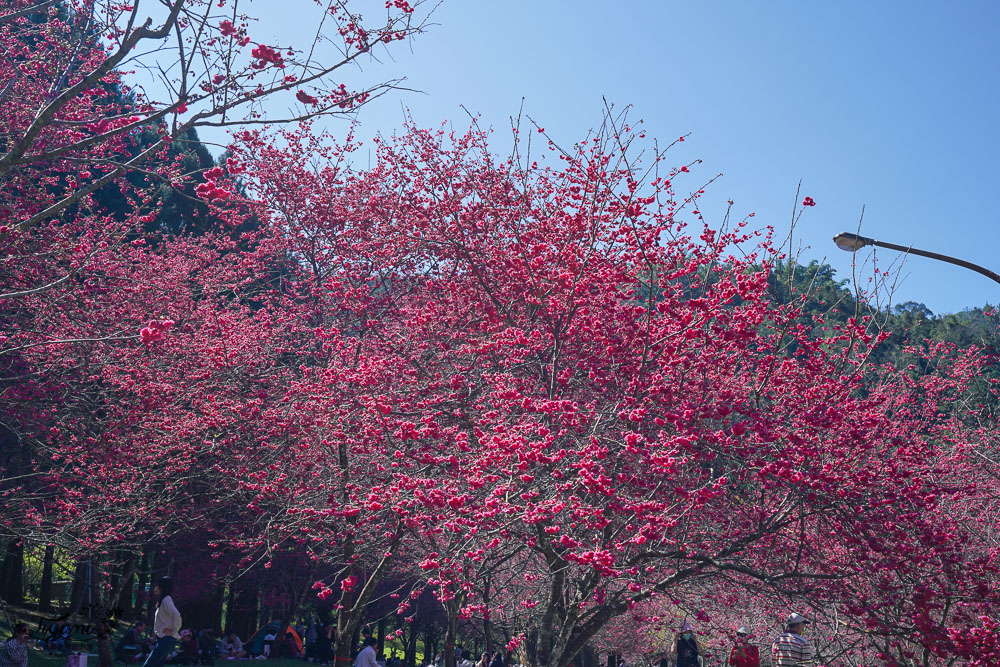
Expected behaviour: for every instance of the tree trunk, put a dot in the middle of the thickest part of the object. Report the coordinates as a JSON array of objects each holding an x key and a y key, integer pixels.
[
  {"x": 140, "y": 587},
  {"x": 123, "y": 602},
  {"x": 45, "y": 589},
  {"x": 202, "y": 612},
  {"x": 531, "y": 646},
  {"x": 380, "y": 648},
  {"x": 215, "y": 621},
  {"x": 430, "y": 643},
  {"x": 158, "y": 568},
  {"x": 102, "y": 611},
  {"x": 244, "y": 613},
  {"x": 79, "y": 593},
  {"x": 410, "y": 657},
  {"x": 354, "y": 602},
  {"x": 12, "y": 573},
  {"x": 230, "y": 609},
  {"x": 293, "y": 606},
  {"x": 105, "y": 658},
  {"x": 452, "y": 607},
  {"x": 487, "y": 626},
  {"x": 355, "y": 639}
]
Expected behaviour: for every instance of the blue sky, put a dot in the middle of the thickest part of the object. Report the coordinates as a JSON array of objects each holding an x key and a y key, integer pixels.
[{"x": 891, "y": 106}]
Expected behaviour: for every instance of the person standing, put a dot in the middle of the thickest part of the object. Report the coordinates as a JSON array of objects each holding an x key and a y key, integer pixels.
[
  {"x": 14, "y": 651},
  {"x": 791, "y": 648},
  {"x": 312, "y": 634},
  {"x": 324, "y": 644},
  {"x": 744, "y": 654},
  {"x": 686, "y": 649},
  {"x": 166, "y": 624}
]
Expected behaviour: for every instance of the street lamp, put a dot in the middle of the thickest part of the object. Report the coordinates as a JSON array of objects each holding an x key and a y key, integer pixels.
[{"x": 854, "y": 242}]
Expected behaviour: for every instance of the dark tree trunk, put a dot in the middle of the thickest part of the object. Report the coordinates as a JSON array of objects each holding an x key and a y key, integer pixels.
[
  {"x": 215, "y": 622},
  {"x": 200, "y": 613},
  {"x": 157, "y": 569},
  {"x": 410, "y": 657},
  {"x": 452, "y": 607},
  {"x": 245, "y": 614},
  {"x": 531, "y": 647},
  {"x": 78, "y": 595},
  {"x": 140, "y": 587},
  {"x": 105, "y": 611},
  {"x": 230, "y": 608},
  {"x": 380, "y": 648},
  {"x": 45, "y": 590},
  {"x": 105, "y": 658},
  {"x": 487, "y": 626},
  {"x": 355, "y": 639},
  {"x": 293, "y": 606},
  {"x": 430, "y": 642},
  {"x": 355, "y": 602},
  {"x": 126, "y": 584},
  {"x": 12, "y": 573}
]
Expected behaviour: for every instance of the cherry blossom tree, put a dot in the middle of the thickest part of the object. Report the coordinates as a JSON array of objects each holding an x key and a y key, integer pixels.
[
  {"x": 621, "y": 399},
  {"x": 524, "y": 384},
  {"x": 83, "y": 127}
]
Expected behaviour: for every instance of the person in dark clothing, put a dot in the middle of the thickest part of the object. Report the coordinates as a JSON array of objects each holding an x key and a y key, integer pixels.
[
  {"x": 207, "y": 647},
  {"x": 686, "y": 649},
  {"x": 324, "y": 645},
  {"x": 187, "y": 653},
  {"x": 130, "y": 647},
  {"x": 498, "y": 660},
  {"x": 312, "y": 635},
  {"x": 289, "y": 648}
]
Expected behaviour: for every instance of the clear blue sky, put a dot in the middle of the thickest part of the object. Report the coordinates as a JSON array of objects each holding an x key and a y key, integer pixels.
[{"x": 894, "y": 106}]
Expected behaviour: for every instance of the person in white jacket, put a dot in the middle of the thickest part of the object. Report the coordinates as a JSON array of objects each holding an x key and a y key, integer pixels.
[
  {"x": 367, "y": 656},
  {"x": 166, "y": 624}
]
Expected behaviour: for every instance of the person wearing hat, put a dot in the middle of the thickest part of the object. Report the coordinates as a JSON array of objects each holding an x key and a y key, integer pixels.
[
  {"x": 744, "y": 654},
  {"x": 686, "y": 649},
  {"x": 791, "y": 648}
]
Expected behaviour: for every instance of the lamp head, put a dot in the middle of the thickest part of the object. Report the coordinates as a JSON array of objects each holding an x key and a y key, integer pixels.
[{"x": 851, "y": 242}]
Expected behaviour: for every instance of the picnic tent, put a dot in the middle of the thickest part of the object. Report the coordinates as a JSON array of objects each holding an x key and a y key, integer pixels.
[{"x": 255, "y": 645}]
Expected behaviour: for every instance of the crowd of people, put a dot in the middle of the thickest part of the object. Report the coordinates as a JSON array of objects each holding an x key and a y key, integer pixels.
[
  {"x": 791, "y": 648},
  {"x": 168, "y": 643}
]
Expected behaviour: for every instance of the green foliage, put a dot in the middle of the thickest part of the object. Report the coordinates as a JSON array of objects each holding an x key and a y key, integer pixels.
[{"x": 912, "y": 327}]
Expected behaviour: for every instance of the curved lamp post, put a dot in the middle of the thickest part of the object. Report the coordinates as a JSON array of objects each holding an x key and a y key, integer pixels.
[{"x": 853, "y": 243}]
